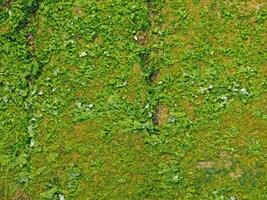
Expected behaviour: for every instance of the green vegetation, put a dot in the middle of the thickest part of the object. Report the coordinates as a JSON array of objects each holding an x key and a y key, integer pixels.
[{"x": 149, "y": 99}]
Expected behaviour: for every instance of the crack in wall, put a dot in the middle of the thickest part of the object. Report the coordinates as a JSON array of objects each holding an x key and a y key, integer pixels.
[
  {"x": 158, "y": 112},
  {"x": 22, "y": 27},
  {"x": 30, "y": 12},
  {"x": 150, "y": 71}
]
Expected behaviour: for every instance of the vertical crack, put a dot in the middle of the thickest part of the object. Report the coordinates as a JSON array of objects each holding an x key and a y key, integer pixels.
[
  {"x": 157, "y": 112},
  {"x": 22, "y": 27},
  {"x": 30, "y": 12},
  {"x": 144, "y": 39}
]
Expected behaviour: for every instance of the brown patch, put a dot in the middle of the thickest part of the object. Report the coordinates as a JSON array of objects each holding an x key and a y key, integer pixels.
[
  {"x": 255, "y": 5},
  {"x": 8, "y": 3},
  {"x": 230, "y": 71},
  {"x": 237, "y": 174},
  {"x": 205, "y": 164},
  {"x": 141, "y": 37},
  {"x": 133, "y": 144},
  {"x": 205, "y": 2},
  {"x": 154, "y": 77},
  {"x": 81, "y": 133},
  {"x": 78, "y": 11},
  {"x": 264, "y": 69},
  {"x": 161, "y": 115},
  {"x": 193, "y": 11},
  {"x": 166, "y": 158},
  {"x": 150, "y": 9},
  {"x": 19, "y": 195},
  {"x": 30, "y": 43},
  {"x": 133, "y": 141},
  {"x": 60, "y": 61},
  {"x": 99, "y": 40},
  {"x": 189, "y": 107},
  {"x": 72, "y": 157},
  {"x": 244, "y": 119},
  {"x": 200, "y": 100},
  {"x": 114, "y": 162},
  {"x": 224, "y": 155},
  {"x": 169, "y": 15},
  {"x": 225, "y": 159},
  {"x": 137, "y": 69},
  {"x": 85, "y": 130},
  {"x": 5, "y": 29},
  {"x": 91, "y": 92}
]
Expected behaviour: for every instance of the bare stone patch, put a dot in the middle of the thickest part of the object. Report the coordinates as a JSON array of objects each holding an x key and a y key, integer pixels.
[
  {"x": 237, "y": 174},
  {"x": 141, "y": 37},
  {"x": 154, "y": 76},
  {"x": 161, "y": 115},
  {"x": 205, "y": 164},
  {"x": 30, "y": 43},
  {"x": 223, "y": 163}
]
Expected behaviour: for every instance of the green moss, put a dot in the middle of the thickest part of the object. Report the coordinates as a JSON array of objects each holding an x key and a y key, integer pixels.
[{"x": 133, "y": 99}]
